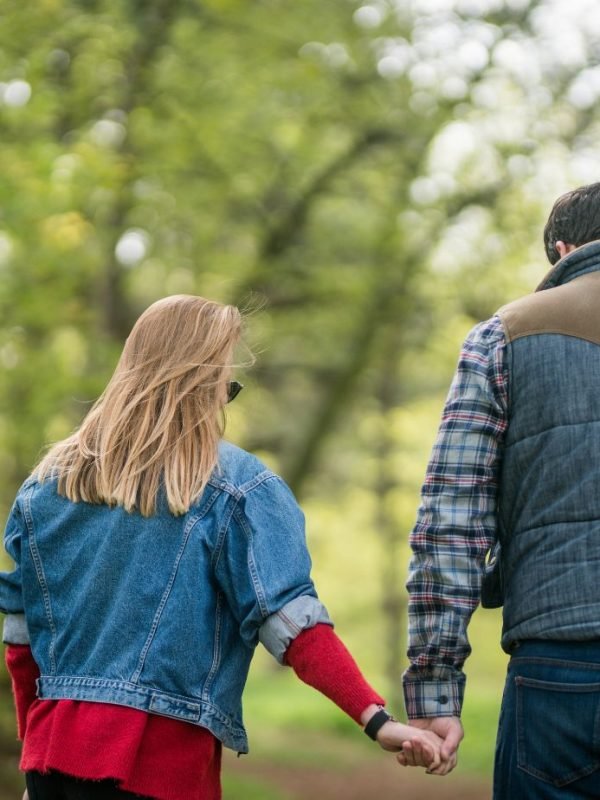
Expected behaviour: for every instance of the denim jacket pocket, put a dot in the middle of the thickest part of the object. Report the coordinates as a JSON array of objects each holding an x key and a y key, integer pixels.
[{"x": 558, "y": 729}]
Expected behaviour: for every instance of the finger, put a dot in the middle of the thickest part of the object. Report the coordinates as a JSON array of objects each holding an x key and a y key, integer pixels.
[
  {"x": 401, "y": 759},
  {"x": 409, "y": 754},
  {"x": 407, "y": 749},
  {"x": 422, "y": 754},
  {"x": 436, "y": 761},
  {"x": 445, "y": 767},
  {"x": 451, "y": 741},
  {"x": 426, "y": 754},
  {"x": 449, "y": 753},
  {"x": 440, "y": 769},
  {"x": 452, "y": 762}
]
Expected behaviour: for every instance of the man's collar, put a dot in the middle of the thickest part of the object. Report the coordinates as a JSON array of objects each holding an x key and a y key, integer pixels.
[{"x": 585, "y": 258}]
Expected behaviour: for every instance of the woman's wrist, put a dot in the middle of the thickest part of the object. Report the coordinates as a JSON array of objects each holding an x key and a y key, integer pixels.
[
  {"x": 390, "y": 731},
  {"x": 369, "y": 712},
  {"x": 379, "y": 725}
]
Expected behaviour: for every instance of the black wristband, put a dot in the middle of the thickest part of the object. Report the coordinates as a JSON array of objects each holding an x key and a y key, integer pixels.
[{"x": 376, "y": 722}]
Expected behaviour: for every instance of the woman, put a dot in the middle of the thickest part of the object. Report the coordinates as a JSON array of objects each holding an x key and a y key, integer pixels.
[{"x": 150, "y": 558}]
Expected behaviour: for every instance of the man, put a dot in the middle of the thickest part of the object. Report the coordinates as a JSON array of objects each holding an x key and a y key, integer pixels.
[{"x": 510, "y": 514}]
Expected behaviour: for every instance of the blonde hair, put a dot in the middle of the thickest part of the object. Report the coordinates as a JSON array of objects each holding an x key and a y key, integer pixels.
[{"x": 160, "y": 419}]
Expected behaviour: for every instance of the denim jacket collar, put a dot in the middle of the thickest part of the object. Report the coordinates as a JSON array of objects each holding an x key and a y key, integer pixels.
[{"x": 580, "y": 261}]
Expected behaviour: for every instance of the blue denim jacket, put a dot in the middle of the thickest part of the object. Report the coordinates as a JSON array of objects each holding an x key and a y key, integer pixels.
[{"x": 161, "y": 614}]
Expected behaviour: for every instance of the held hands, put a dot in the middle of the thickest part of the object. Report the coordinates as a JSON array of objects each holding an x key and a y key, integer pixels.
[
  {"x": 424, "y": 747},
  {"x": 451, "y": 732},
  {"x": 415, "y": 746},
  {"x": 430, "y": 742}
]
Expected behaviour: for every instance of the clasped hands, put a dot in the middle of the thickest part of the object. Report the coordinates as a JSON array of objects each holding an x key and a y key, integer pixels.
[{"x": 431, "y": 743}]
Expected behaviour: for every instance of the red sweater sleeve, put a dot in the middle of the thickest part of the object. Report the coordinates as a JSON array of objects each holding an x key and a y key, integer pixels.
[
  {"x": 23, "y": 672},
  {"x": 320, "y": 659}
]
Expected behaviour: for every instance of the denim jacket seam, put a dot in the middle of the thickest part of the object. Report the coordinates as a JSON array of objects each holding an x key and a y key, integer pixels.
[
  {"x": 293, "y": 625},
  {"x": 25, "y": 487},
  {"x": 92, "y": 682},
  {"x": 245, "y": 488},
  {"x": 163, "y": 601},
  {"x": 216, "y": 662},
  {"x": 257, "y": 481},
  {"x": 222, "y": 530},
  {"x": 256, "y": 582},
  {"x": 10, "y": 539},
  {"x": 225, "y": 486},
  {"x": 41, "y": 576},
  {"x": 204, "y": 506}
]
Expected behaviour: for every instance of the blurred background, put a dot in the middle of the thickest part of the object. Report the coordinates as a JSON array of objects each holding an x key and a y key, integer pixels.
[{"x": 368, "y": 179}]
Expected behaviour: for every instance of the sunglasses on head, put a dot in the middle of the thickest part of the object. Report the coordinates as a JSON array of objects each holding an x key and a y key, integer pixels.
[{"x": 235, "y": 387}]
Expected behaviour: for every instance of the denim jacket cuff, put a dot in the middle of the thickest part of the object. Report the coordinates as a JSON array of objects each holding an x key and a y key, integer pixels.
[
  {"x": 15, "y": 629},
  {"x": 433, "y": 698},
  {"x": 282, "y": 627}
]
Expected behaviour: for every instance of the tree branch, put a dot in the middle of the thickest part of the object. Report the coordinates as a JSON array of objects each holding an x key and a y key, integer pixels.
[{"x": 288, "y": 228}]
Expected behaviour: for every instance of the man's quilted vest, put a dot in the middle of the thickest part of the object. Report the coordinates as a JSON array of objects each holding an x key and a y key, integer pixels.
[{"x": 549, "y": 506}]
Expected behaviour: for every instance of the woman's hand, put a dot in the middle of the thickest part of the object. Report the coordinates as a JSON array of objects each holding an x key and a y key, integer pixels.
[
  {"x": 425, "y": 746},
  {"x": 415, "y": 747},
  {"x": 451, "y": 732}
]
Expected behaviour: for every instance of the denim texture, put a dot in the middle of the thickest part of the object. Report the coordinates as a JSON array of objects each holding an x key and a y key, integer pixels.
[
  {"x": 549, "y": 505},
  {"x": 548, "y": 744},
  {"x": 163, "y": 613}
]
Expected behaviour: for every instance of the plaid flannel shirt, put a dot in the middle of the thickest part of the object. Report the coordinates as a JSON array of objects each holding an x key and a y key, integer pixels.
[{"x": 456, "y": 525}]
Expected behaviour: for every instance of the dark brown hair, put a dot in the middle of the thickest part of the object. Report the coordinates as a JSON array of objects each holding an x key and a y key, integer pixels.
[{"x": 574, "y": 219}]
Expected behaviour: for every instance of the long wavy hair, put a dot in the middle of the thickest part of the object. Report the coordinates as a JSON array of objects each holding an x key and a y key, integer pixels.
[{"x": 160, "y": 419}]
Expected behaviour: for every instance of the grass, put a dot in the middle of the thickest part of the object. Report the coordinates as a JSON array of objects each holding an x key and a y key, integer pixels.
[{"x": 249, "y": 789}]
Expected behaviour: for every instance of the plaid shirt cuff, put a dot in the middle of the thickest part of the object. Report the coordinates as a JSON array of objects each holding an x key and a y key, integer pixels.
[{"x": 434, "y": 698}]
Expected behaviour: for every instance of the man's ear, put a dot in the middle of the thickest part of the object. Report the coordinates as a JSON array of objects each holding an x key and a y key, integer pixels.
[{"x": 562, "y": 248}]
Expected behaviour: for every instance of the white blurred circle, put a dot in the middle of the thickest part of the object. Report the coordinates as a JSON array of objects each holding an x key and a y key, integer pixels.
[
  {"x": 132, "y": 247},
  {"x": 108, "y": 133},
  {"x": 16, "y": 93},
  {"x": 368, "y": 17}
]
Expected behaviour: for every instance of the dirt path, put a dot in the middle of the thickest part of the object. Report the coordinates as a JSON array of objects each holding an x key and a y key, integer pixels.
[{"x": 383, "y": 780}]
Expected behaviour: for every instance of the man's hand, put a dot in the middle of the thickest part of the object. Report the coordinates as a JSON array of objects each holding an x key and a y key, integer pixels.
[
  {"x": 426, "y": 746},
  {"x": 447, "y": 728},
  {"x": 393, "y": 735}
]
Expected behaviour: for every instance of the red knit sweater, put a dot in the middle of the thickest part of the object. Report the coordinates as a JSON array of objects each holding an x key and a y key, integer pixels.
[{"x": 152, "y": 755}]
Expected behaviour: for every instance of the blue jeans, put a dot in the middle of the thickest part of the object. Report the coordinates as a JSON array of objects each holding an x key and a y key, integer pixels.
[{"x": 548, "y": 744}]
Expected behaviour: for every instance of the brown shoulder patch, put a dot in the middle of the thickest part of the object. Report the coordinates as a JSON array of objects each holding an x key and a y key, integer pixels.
[{"x": 572, "y": 309}]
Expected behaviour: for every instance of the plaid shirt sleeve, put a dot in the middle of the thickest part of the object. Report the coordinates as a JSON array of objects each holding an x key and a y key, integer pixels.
[{"x": 456, "y": 525}]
